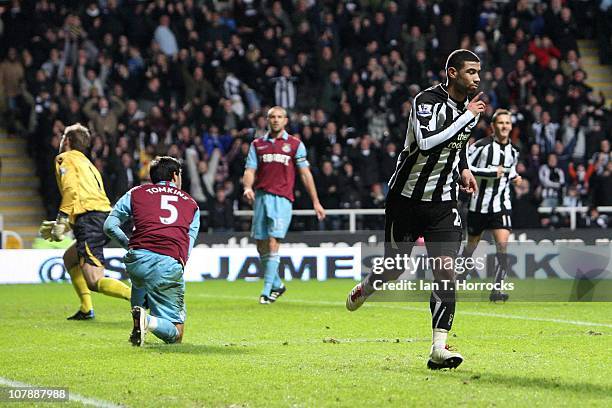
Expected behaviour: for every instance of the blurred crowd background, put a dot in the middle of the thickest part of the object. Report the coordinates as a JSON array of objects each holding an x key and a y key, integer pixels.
[{"x": 193, "y": 80}]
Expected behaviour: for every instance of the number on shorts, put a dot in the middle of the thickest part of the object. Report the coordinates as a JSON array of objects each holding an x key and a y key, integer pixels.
[
  {"x": 457, "y": 222},
  {"x": 166, "y": 204},
  {"x": 506, "y": 220}
]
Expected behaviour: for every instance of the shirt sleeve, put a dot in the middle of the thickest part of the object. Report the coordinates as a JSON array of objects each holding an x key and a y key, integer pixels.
[
  {"x": 67, "y": 182},
  {"x": 121, "y": 212},
  {"x": 513, "y": 173},
  {"x": 474, "y": 155},
  {"x": 463, "y": 163},
  {"x": 194, "y": 228},
  {"x": 251, "y": 162},
  {"x": 428, "y": 132},
  {"x": 301, "y": 160}
]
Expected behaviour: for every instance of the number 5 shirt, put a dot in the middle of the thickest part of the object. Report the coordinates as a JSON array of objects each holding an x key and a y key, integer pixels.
[{"x": 166, "y": 220}]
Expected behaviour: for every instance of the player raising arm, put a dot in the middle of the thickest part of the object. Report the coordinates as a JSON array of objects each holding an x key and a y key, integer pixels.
[
  {"x": 84, "y": 208},
  {"x": 270, "y": 167},
  {"x": 166, "y": 225},
  {"x": 422, "y": 198}
]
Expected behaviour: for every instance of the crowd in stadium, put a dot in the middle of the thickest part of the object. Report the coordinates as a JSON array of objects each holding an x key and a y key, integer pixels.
[{"x": 194, "y": 79}]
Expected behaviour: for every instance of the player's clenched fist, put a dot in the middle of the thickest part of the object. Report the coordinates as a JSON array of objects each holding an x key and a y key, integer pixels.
[{"x": 477, "y": 106}]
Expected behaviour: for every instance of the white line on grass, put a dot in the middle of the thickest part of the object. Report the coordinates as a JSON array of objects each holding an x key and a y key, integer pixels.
[
  {"x": 71, "y": 395},
  {"x": 420, "y": 309}
]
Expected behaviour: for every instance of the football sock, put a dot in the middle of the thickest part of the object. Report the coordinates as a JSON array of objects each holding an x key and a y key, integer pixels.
[
  {"x": 502, "y": 267},
  {"x": 439, "y": 338},
  {"x": 270, "y": 264},
  {"x": 467, "y": 253},
  {"x": 115, "y": 288},
  {"x": 162, "y": 328},
  {"x": 278, "y": 283},
  {"x": 80, "y": 287},
  {"x": 137, "y": 297},
  {"x": 442, "y": 306}
]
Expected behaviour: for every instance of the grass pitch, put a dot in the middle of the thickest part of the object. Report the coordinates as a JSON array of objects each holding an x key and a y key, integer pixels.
[{"x": 306, "y": 350}]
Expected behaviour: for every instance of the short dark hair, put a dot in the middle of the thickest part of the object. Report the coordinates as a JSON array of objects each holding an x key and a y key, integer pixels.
[
  {"x": 457, "y": 58},
  {"x": 164, "y": 168},
  {"x": 79, "y": 137}
]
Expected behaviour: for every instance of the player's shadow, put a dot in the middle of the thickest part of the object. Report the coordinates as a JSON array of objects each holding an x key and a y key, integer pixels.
[
  {"x": 187, "y": 348},
  {"x": 514, "y": 381}
]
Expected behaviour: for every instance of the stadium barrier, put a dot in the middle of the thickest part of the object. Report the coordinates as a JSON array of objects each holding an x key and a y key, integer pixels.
[
  {"x": 572, "y": 211},
  {"x": 527, "y": 260},
  {"x": 353, "y": 213},
  {"x": 336, "y": 238}
]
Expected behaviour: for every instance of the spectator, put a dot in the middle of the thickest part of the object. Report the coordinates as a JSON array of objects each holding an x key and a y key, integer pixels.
[
  {"x": 366, "y": 159},
  {"x": 602, "y": 157},
  {"x": 573, "y": 136},
  {"x": 602, "y": 186},
  {"x": 595, "y": 219},
  {"x": 579, "y": 177},
  {"x": 12, "y": 75},
  {"x": 545, "y": 133},
  {"x": 552, "y": 180},
  {"x": 105, "y": 118},
  {"x": 525, "y": 206},
  {"x": 285, "y": 92},
  {"x": 183, "y": 69},
  {"x": 220, "y": 213},
  {"x": 521, "y": 83},
  {"x": 165, "y": 37},
  {"x": 125, "y": 176},
  {"x": 328, "y": 188},
  {"x": 212, "y": 139}
]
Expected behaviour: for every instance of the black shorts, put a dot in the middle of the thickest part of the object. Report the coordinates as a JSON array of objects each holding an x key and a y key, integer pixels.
[
  {"x": 89, "y": 233},
  {"x": 478, "y": 222},
  {"x": 438, "y": 223}
]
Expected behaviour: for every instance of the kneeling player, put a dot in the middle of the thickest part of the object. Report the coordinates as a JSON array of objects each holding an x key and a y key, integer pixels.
[
  {"x": 493, "y": 162},
  {"x": 166, "y": 225}
]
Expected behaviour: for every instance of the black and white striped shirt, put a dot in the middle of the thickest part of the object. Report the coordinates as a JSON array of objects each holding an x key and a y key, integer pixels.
[
  {"x": 552, "y": 180},
  {"x": 435, "y": 148},
  {"x": 285, "y": 94},
  {"x": 485, "y": 156}
]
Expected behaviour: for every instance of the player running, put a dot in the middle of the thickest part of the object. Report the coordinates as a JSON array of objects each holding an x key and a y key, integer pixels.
[
  {"x": 493, "y": 161},
  {"x": 422, "y": 198},
  {"x": 166, "y": 225},
  {"x": 271, "y": 165},
  {"x": 84, "y": 208}
]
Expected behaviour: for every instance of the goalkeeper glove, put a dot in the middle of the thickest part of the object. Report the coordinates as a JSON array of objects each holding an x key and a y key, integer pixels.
[
  {"x": 45, "y": 230},
  {"x": 61, "y": 225}
]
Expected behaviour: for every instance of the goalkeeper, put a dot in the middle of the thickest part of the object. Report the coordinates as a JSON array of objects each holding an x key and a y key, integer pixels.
[{"x": 84, "y": 208}]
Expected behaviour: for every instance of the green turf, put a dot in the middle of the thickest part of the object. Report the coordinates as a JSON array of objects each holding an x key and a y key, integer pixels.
[{"x": 308, "y": 351}]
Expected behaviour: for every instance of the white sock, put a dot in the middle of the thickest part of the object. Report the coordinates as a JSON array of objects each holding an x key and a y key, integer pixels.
[
  {"x": 439, "y": 338},
  {"x": 151, "y": 322}
]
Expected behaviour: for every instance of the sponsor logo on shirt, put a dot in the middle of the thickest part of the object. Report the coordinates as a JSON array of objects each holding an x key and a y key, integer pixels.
[{"x": 276, "y": 158}]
